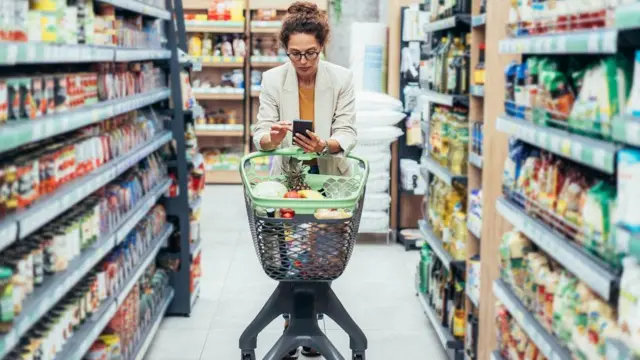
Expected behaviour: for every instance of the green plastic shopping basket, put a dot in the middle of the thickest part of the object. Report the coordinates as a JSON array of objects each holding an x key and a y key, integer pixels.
[{"x": 315, "y": 239}]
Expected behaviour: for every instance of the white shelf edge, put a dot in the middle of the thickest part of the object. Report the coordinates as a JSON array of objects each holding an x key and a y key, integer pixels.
[
  {"x": 547, "y": 344},
  {"x": 475, "y": 160},
  {"x": 81, "y": 340},
  {"x": 563, "y": 143},
  {"x": 435, "y": 243},
  {"x": 432, "y": 166},
  {"x": 569, "y": 255},
  {"x": 153, "y": 330},
  {"x": 140, "y": 8},
  {"x": 37, "y": 304},
  {"x": 443, "y": 335}
]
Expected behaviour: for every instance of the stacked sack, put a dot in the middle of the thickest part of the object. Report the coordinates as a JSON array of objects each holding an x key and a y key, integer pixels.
[{"x": 376, "y": 117}]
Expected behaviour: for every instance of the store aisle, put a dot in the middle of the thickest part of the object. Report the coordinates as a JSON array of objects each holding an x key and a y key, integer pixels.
[{"x": 377, "y": 289}]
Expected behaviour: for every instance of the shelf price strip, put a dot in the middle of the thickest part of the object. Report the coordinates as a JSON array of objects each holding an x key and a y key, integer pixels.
[
  {"x": 591, "y": 152},
  {"x": 435, "y": 244},
  {"x": 441, "y": 172},
  {"x": 140, "y": 8},
  {"x": 46, "y": 296},
  {"x": 545, "y": 341},
  {"x": 601, "y": 41},
  {"x": 589, "y": 270}
]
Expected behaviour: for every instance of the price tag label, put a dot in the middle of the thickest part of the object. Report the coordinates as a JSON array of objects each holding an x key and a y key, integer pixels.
[
  {"x": 565, "y": 147},
  {"x": 599, "y": 158},
  {"x": 10, "y": 340},
  {"x": 548, "y": 45},
  {"x": 622, "y": 241},
  {"x": 561, "y": 44},
  {"x": 592, "y": 43},
  {"x": 37, "y": 130},
  {"x": 12, "y": 54},
  {"x": 576, "y": 150},
  {"x": 518, "y": 315},
  {"x": 49, "y": 128},
  {"x": 610, "y": 41},
  {"x": 31, "y": 53},
  {"x": 555, "y": 144},
  {"x": 226, "y": 59}
]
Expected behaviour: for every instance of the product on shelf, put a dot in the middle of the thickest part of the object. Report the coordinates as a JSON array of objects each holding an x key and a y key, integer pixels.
[
  {"x": 570, "y": 198},
  {"x": 440, "y": 10},
  {"x": 563, "y": 305},
  {"x": 208, "y": 44},
  {"x": 444, "y": 293},
  {"x": 38, "y": 169},
  {"x": 474, "y": 213},
  {"x": 51, "y": 249},
  {"x": 221, "y": 10},
  {"x": 479, "y": 75},
  {"x": 449, "y": 138},
  {"x": 233, "y": 79},
  {"x": 549, "y": 17},
  {"x": 447, "y": 217},
  {"x": 477, "y": 133},
  {"x": 472, "y": 279},
  {"x": 229, "y": 160},
  {"x": 580, "y": 95},
  {"x": 513, "y": 342},
  {"x": 196, "y": 273},
  {"x": 267, "y": 45},
  {"x": 220, "y": 116},
  {"x": 447, "y": 65},
  {"x": 50, "y": 334},
  {"x": 31, "y": 97},
  {"x": 77, "y": 22},
  {"x": 134, "y": 317}
]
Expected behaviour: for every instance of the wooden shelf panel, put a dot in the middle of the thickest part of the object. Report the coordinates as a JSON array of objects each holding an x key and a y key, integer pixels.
[
  {"x": 282, "y": 4},
  {"x": 222, "y": 177},
  {"x": 219, "y": 133},
  {"x": 211, "y": 96},
  {"x": 226, "y": 27}
]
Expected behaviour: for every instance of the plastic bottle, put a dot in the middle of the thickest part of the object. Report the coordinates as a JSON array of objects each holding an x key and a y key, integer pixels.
[{"x": 628, "y": 306}]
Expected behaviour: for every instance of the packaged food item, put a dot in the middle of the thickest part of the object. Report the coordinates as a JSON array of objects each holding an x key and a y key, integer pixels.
[{"x": 7, "y": 310}]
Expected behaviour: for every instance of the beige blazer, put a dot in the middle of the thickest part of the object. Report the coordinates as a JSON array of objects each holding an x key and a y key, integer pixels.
[{"x": 334, "y": 111}]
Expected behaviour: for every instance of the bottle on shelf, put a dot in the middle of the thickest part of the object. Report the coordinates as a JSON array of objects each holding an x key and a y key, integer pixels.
[{"x": 479, "y": 71}]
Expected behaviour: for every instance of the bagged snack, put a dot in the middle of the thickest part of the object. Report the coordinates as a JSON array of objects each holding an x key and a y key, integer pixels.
[{"x": 596, "y": 215}]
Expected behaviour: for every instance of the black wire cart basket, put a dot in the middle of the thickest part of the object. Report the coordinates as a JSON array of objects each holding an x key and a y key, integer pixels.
[{"x": 304, "y": 227}]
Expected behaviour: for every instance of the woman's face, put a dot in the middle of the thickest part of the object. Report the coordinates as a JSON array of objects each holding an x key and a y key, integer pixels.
[{"x": 301, "y": 44}]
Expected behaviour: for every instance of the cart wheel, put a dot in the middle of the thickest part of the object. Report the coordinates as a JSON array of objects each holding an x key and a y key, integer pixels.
[
  {"x": 248, "y": 355},
  {"x": 359, "y": 356}
]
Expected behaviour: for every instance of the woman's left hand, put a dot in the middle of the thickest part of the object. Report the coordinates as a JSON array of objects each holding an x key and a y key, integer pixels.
[{"x": 310, "y": 143}]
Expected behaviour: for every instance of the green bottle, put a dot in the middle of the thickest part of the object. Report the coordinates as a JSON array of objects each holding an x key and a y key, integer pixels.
[{"x": 425, "y": 264}]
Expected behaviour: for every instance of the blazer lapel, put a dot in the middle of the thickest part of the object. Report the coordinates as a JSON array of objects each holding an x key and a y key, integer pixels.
[
  {"x": 290, "y": 106},
  {"x": 323, "y": 100}
]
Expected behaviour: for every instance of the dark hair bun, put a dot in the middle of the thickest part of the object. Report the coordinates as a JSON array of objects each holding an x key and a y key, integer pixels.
[{"x": 303, "y": 8}]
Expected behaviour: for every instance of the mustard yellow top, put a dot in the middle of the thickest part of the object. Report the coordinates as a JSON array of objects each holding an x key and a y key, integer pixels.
[
  {"x": 306, "y": 100},
  {"x": 307, "y": 110}
]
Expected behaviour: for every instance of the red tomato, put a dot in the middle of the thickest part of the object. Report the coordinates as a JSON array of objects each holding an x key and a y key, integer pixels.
[{"x": 292, "y": 195}]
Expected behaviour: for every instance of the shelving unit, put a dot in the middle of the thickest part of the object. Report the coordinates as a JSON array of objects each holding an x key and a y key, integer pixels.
[{"x": 23, "y": 58}]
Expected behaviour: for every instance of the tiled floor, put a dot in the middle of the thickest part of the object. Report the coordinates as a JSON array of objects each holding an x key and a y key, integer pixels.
[{"x": 377, "y": 289}]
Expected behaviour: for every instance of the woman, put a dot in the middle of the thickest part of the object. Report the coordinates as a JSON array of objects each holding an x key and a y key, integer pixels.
[{"x": 307, "y": 88}]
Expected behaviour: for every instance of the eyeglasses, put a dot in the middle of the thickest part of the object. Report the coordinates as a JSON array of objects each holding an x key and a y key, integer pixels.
[{"x": 309, "y": 55}]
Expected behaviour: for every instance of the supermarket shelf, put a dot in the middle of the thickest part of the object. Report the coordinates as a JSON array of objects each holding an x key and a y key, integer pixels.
[
  {"x": 223, "y": 177},
  {"x": 586, "y": 267},
  {"x": 218, "y": 94},
  {"x": 214, "y": 26},
  {"x": 22, "y": 224},
  {"x": 594, "y": 153},
  {"x": 140, "y": 8},
  {"x": 222, "y": 61},
  {"x": 449, "y": 343},
  {"x": 495, "y": 355},
  {"x": 46, "y": 296},
  {"x": 141, "y": 209},
  {"x": 149, "y": 257},
  {"x": 255, "y": 93},
  {"x": 448, "y": 23},
  {"x": 195, "y": 295},
  {"x": 125, "y": 55},
  {"x": 220, "y": 133},
  {"x": 595, "y": 41},
  {"x": 436, "y": 245},
  {"x": 265, "y": 27},
  {"x": 268, "y": 61},
  {"x": 14, "y": 53},
  {"x": 477, "y": 90},
  {"x": 83, "y": 338},
  {"x": 195, "y": 247},
  {"x": 219, "y": 127},
  {"x": 15, "y": 134},
  {"x": 626, "y": 129},
  {"x": 429, "y": 165},
  {"x": 283, "y": 4},
  {"x": 478, "y": 20},
  {"x": 408, "y": 242},
  {"x": 475, "y": 159},
  {"x": 444, "y": 99},
  {"x": 474, "y": 229},
  {"x": 547, "y": 344},
  {"x": 617, "y": 350},
  {"x": 143, "y": 346}
]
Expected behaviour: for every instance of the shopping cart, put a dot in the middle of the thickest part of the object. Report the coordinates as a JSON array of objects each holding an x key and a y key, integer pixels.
[{"x": 304, "y": 244}]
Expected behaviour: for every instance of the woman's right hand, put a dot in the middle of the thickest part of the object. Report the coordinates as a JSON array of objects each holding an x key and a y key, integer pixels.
[{"x": 279, "y": 131}]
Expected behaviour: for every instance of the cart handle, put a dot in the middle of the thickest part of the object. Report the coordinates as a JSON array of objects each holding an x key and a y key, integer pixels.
[{"x": 299, "y": 154}]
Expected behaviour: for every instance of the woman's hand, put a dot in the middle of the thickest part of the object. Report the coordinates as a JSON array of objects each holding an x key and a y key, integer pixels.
[
  {"x": 310, "y": 143},
  {"x": 279, "y": 131}
]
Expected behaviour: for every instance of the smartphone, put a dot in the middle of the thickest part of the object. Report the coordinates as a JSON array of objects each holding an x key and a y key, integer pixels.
[{"x": 301, "y": 127}]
